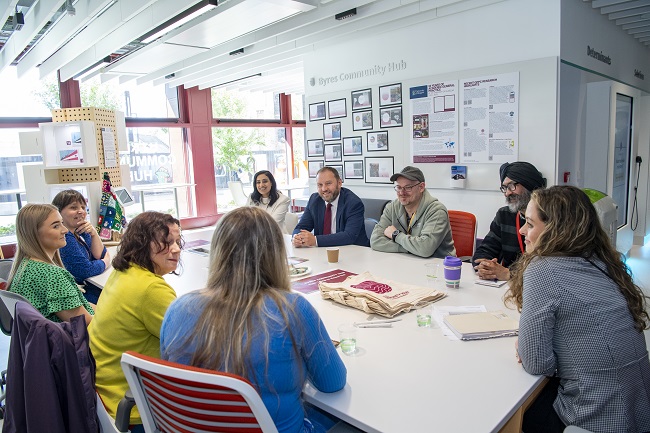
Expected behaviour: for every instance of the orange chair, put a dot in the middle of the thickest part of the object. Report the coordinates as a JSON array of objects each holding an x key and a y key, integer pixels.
[
  {"x": 463, "y": 231},
  {"x": 176, "y": 397}
]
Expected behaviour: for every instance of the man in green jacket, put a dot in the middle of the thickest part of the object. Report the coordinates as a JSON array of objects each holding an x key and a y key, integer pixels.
[{"x": 415, "y": 222}]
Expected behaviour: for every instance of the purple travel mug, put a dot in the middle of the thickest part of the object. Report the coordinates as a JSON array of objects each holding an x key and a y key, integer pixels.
[{"x": 452, "y": 266}]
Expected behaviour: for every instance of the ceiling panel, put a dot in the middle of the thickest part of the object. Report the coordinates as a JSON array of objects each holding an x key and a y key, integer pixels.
[
  {"x": 157, "y": 57},
  {"x": 275, "y": 35},
  {"x": 244, "y": 18},
  {"x": 632, "y": 16}
]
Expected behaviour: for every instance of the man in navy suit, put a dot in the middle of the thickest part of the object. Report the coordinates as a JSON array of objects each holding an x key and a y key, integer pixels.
[{"x": 335, "y": 215}]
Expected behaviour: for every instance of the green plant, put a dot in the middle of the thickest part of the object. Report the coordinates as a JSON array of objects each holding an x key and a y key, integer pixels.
[
  {"x": 9, "y": 230},
  {"x": 233, "y": 147}
]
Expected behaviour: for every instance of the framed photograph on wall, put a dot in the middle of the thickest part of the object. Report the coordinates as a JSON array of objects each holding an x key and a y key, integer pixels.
[
  {"x": 337, "y": 108},
  {"x": 353, "y": 169},
  {"x": 390, "y": 117},
  {"x": 314, "y": 148},
  {"x": 390, "y": 94},
  {"x": 314, "y": 166},
  {"x": 332, "y": 131},
  {"x": 377, "y": 141},
  {"x": 338, "y": 168},
  {"x": 362, "y": 120},
  {"x": 379, "y": 169},
  {"x": 361, "y": 99},
  {"x": 317, "y": 111},
  {"x": 352, "y": 146},
  {"x": 333, "y": 153}
]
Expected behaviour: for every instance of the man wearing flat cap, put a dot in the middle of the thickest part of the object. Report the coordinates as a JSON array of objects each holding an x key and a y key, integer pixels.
[
  {"x": 503, "y": 245},
  {"x": 415, "y": 222}
]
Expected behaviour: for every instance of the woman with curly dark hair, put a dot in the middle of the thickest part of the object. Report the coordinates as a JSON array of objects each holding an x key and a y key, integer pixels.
[
  {"x": 582, "y": 320},
  {"x": 134, "y": 301}
]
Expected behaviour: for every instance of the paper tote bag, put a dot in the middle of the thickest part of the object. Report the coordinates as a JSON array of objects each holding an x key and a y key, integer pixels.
[{"x": 378, "y": 295}]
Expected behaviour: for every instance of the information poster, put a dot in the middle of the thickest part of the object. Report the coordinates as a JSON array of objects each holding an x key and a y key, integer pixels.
[
  {"x": 110, "y": 153},
  {"x": 490, "y": 119},
  {"x": 434, "y": 122}
]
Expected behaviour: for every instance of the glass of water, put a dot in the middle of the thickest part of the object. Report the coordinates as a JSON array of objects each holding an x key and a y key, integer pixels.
[
  {"x": 348, "y": 338},
  {"x": 424, "y": 316},
  {"x": 433, "y": 275}
]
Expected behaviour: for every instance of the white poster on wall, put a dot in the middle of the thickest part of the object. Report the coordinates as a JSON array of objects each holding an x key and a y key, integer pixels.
[
  {"x": 434, "y": 122},
  {"x": 110, "y": 153},
  {"x": 490, "y": 118}
]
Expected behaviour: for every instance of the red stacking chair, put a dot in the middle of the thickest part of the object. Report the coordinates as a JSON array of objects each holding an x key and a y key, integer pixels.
[{"x": 174, "y": 397}]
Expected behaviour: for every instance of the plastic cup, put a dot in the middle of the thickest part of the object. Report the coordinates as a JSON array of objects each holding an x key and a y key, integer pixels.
[
  {"x": 333, "y": 255},
  {"x": 424, "y": 316},
  {"x": 452, "y": 267},
  {"x": 348, "y": 339},
  {"x": 433, "y": 275}
]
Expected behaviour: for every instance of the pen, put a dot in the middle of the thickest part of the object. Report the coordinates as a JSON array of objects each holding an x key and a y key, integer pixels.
[
  {"x": 383, "y": 321},
  {"x": 373, "y": 325}
]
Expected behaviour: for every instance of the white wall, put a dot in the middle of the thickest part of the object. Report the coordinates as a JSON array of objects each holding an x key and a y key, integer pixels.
[
  {"x": 585, "y": 144},
  {"x": 509, "y": 36},
  {"x": 583, "y": 26}
]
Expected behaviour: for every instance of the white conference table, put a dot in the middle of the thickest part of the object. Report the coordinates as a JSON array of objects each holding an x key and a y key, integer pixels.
[{"x": 405, "y": 378}]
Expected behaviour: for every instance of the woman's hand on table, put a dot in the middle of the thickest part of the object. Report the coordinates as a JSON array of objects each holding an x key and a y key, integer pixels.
[{"x": 517, "y": 350}]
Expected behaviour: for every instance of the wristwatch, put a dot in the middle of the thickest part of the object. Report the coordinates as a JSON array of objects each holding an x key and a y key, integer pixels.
[{"x": 395, "y": 233}]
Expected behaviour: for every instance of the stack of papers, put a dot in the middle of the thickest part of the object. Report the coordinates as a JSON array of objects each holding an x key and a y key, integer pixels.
[
  {"x": 491, "y": 283},
  {"x": 476, "y": 326}
]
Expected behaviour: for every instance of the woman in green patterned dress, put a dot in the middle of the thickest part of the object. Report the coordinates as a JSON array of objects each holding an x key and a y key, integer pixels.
[{"x": 38, "y": 273}]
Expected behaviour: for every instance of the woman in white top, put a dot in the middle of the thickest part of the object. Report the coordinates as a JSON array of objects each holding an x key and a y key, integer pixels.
[{"x": 267, "y": 197}]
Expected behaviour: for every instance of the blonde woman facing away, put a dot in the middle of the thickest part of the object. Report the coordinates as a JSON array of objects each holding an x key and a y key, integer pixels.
[
  {"x": 38, "y": 273},
  {"x": 582, "y": 320},
  {"x": 267, "y": 197},
  {"x": 133, "y": 302},
  {"x": 248, "y": 322}
]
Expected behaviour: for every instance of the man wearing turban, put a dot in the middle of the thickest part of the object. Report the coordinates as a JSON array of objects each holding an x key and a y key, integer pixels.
[{"x": 503, "y": 245}]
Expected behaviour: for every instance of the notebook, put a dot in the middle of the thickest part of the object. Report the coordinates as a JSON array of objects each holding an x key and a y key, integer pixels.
[{"x": 476, "y": 326}]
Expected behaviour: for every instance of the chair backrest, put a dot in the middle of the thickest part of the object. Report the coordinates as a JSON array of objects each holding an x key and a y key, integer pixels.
[
  {"x": 291, "y": 221},
  {"x": 8, "y": 308},
  {"x": 370, "y": 224},
  {"x": 463, "y": 231},
  {"x": 5, "y": 268},
  {"x": 237, "y": 191},
  {"x": 176, "y": 397},
  {"x": 374, "y": 207}
]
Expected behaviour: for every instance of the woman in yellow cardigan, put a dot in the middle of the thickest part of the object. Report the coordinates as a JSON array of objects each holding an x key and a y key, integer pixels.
[{"x": 133, "y": 302}]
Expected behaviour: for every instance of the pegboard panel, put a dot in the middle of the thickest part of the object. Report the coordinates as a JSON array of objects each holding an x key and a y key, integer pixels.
[
  {"x": 102, "y": 119},
  {"x": 79, "y": 175}
]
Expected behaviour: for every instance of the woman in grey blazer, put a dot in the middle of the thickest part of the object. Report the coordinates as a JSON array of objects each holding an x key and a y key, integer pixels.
[
  {"x": 582, "y": 320},
  {"x": 267, "y": 197}
]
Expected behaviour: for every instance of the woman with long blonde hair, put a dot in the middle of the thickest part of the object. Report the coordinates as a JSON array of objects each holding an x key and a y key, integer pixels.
[
  {"x": 582, "y": 320},
  {"x": 248, "y": 322},
  {"x": 38, "y": 273}
]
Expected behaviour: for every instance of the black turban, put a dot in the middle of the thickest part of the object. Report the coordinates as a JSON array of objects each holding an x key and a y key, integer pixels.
[{"x": 523, "y": 173}]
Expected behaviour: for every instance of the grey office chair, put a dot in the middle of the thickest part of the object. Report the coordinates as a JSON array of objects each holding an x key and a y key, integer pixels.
[
  {"x": 370, "y": 224},
  {"x": 7, "y": 309},
  {"x": 5, "y": 268}
]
